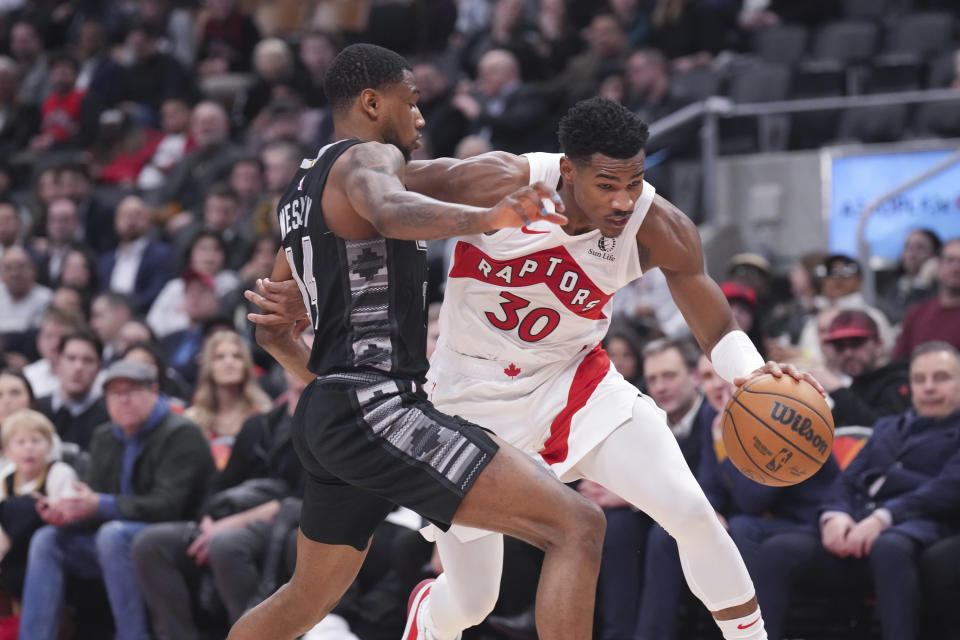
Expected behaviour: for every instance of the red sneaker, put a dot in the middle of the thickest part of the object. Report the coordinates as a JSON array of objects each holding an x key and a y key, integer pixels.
[{"x": 416, "y": 628}]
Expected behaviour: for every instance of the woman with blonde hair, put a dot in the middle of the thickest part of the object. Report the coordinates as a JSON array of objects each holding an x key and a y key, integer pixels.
[{"x": 226, "y": 393}]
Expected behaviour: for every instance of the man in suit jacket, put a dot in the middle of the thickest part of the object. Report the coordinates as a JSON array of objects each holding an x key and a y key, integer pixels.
[
  {"x": 900, "y": 494},
  {"x": 140, "y": 265},
  {"x": 513, "y": 116}
]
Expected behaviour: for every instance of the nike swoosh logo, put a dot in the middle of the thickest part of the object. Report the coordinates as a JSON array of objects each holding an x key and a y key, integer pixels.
[
  {"x": 747, "y": 626},
  {"x": 531, "y": 231}
]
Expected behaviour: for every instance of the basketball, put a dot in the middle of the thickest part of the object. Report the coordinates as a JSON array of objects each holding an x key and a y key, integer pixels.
[{"x": 777, "y": 431}]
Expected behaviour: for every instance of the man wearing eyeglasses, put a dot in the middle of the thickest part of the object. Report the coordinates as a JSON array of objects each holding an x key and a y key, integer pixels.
[{"x": 867, "y": 388}]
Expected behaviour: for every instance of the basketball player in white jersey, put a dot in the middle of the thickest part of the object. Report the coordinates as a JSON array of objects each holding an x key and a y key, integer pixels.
[{"x": 524, "y": 312}]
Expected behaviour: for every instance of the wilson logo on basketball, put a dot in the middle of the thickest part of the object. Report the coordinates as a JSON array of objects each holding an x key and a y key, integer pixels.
[{"x": 799, "y": 423}]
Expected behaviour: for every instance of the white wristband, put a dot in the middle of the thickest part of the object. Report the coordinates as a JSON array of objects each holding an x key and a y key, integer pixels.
[{"x": 734, "y": 356}]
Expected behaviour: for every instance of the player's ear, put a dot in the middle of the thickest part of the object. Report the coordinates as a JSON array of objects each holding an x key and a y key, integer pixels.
[
  {"x": 568, "y": 169},
  {"x": 370, "y": 101}
]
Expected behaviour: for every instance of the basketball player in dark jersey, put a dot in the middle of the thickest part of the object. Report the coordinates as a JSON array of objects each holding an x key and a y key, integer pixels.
[{"x": 364, "y": 431}]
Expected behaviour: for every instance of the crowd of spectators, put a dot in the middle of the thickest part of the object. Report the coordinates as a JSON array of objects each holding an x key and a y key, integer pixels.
[{"x": 149, "y": 486}]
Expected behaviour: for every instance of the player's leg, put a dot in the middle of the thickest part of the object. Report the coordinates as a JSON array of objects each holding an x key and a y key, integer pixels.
[
  {"x": 515, "y": 496},
  {"x": 641, "y": 462},
  {"x": 322, "y": 575}
]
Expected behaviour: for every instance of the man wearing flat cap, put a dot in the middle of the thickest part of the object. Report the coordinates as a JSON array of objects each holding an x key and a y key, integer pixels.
[{"x": 147, "y": 465}]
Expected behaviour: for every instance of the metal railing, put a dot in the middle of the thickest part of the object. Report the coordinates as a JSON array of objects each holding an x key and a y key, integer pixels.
[{"x": 710, "y": 111}]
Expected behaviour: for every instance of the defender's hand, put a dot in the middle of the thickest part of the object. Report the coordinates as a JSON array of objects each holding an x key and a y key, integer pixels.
[
  {"x": 280, "y": 303},
  {"x": 777, "y": 369},
  {"x": 524, "y": 206}
]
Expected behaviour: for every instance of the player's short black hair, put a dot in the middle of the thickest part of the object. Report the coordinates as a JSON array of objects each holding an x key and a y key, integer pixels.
[
  {"x": 358, "y": 67},
  {"x": 599, "y": 125}
]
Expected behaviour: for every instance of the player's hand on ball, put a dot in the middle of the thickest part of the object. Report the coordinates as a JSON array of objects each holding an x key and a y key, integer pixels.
[
  {"x": 777, "y": 370},
  {"x": 526, "y": 205}
]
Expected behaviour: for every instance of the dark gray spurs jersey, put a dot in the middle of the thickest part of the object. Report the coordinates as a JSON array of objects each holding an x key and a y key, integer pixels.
[{"x": 365, "y": 297}]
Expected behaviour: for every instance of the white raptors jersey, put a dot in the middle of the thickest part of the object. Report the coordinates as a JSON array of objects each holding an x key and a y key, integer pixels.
[{"x": 532, "y": 296}]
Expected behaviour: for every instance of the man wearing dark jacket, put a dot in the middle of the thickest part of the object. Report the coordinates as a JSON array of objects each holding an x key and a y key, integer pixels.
[
  {"x": 873, "y": 391},
  {"x": 147, "y": 465},
  {"x": 898, "y": 495},
  {"x": 171, "y": 557}
]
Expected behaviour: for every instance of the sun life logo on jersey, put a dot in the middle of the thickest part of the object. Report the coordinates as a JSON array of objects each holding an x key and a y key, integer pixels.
[{"x": 606, "y": 245}]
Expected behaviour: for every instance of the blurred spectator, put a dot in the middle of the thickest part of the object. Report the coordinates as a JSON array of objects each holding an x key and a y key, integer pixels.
[
  {"x": 693, "y": 30},
  {"x": 206, "y": 164},
  {"x": 507, "y": 32},
  {"x": 23, "y": 300},
  {"x": 246, "y": 180},
  {"x": 71, "y": 300},
  {"x": 752, "y": 270},
  {"x": 121, "y": 149},
  {"x": 200, "y": 303},
  {"x": 72, "y": 180},
  {"x": 26, "y": 47},
  {"x": 471, "y": 146},
  {"x": 15, "y": 393},
  {"x": 227, "y": 36},
  {"x": 281, "y": 160},
  {"x": 28, "y": 443},
  {"x": 18, "y": 120},
  {"x": 868, "y": 388},
  {"x": 227, "y": 392},
  {"x": 317, "y": 50},
  {"x": 174, "y": 26},
  {"x": 132, "y": 332},
  {"x": 273, "y": 65},
  {"x": 92, "y": 532},
  {"x": 446, "y": 125},
  {"x": 108, "y": 313},
  {"x": 11, "y": 226},
  {"x": 939, "y": 317},
  {"x": 70, "y": 116},
  {"x": 140, "y": 265},
  {"x": 915, "y": 278},
  {"x": 174, "y": 143},
  {"x": 751, "y": 512},
  {"x": 606, "y": 49},
  {"x": 221, "y": 212},
  {"x": 63, "y": 234},
  {"x": 556, "y": 39},
  {"x": 842, "y": 279},
  {"x": 168, "y": 380},
  {"x": 898, "y": 495},
  {"x": 42, "y": 373},
  {"x": 151, "y": 76},
  {"x": 229, "y": 541},
  {"x": 634, "y": 16},
  {"x": 79, "y": 271},
  {"x": 757, "y": 14},
  {"x": 207, "y": 254},
  {"x": 625, "y": 349},
  {"x": 647, "y": 86},
  {"x": 76, "y": 406},
  {"x": 743, "y": 304},
  {"x": 506, "y": 111},
  {"x": 98, "y": 71},
  {"x": 670, "y": 372},
  {"x": 789, "y": 318},
  {"x": 647, "y": 302}
]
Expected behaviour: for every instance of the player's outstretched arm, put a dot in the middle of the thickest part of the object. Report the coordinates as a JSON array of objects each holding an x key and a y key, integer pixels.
[
  {"x": 277, "y": 338},
  {"x": 373, "y": 183},
  {"x": 480, "y": 181}
]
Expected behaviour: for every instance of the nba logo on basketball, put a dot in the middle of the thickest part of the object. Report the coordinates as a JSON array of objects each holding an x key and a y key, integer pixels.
[{"x": 779, "y": 460}]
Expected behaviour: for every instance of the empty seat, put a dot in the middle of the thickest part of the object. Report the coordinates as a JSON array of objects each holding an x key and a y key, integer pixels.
[
  {"x": 695, "y": 84},
  {"x": 780, "y": 44},
  {"x": 761, "y": 82},
  {"x": 921, "y": 33},
  {"x": 944, "y": 69},
  {"x": 940, "y": 119},
  {"x": 896, "y": 72},
  {"x": 865, "y": 9},
  {"x": 818, "y": 79},
  {"x": 850, "y": 41},
  {"x": 874, "y": 124}
]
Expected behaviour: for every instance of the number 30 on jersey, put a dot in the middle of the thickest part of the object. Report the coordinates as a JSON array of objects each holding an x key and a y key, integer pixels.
[{"x": 532, "y": 326}]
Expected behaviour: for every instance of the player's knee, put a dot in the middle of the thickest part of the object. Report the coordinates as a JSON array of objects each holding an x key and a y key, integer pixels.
[
  {"x": 692, "y": 518},
  {"x": 585, "y": 525}
]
